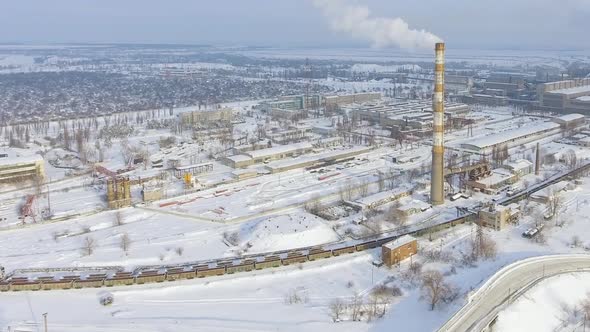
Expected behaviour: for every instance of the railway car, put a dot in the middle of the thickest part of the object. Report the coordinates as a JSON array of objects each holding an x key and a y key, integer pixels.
[
  {"x": 57, "y": 284},
  {"x": 245, "y": 266},
  {"x": 294, "y": 257},
  {"x": 180, "y": 273},
  {"x": 4, "y": 286},
  {"x": 70, "y": 277},
  {"x": 150, "y": 277},
  {"x": 210, "y": 271},
  {"x": 268, "y": 262},
  {"x": 367, "y": 245},
  {"x": 88, "y": 283},
  {"x": 25, "y": 285},
  {"x": 345, "y": 250},
  {"x": 319, "y": 253},
  {"x": 45, "y": 279},
  {"x": 120, "y": 280}
]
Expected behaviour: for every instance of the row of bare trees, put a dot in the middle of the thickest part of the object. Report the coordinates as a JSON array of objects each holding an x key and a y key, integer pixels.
[{"x": 358, "y": 307}]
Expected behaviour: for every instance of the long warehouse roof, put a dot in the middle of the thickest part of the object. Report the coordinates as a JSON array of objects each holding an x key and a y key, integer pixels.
[{"x": 508, "y": 135}]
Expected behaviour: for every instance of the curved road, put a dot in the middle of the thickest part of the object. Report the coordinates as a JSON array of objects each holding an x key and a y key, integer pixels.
[{"x": 509, "y": 283}]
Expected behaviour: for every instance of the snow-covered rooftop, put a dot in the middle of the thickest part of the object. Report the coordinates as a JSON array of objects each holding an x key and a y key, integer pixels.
[
  {"x": 239, "y": 157},
  {"x": 278, "y": 150},
  {"x": 572, "y": 91},
  {"x": 519, "y": 164},
  {"x": 508, "y": 135},
  {"x": 570, "y": 117},
  {"x": 368, "y": 200},
  {"x": 16, "y": 157},
  {"x": 400, "y": 241}
]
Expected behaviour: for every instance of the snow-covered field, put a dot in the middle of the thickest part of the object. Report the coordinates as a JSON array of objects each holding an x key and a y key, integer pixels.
[{"x": 551, "y": 305}]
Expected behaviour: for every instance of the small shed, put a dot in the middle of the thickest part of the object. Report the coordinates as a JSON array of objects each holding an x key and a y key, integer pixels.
[{"x": 395, "y": 251}]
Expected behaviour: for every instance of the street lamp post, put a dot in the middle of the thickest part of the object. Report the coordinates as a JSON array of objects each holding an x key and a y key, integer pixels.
[{"x": 45, "y": 321}]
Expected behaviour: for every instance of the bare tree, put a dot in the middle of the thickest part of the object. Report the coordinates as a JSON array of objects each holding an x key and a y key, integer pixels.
[
  {"x": 88, "y": 246},
  {"x": 364, "y": 189},
  {"x": 314, "y": 205},
  {"x": 337, "y": 309},
  {"x": 125, "y": 242},
  {"x": 356, "y": 306},
  {"x": 381, "y": 181},
  {"x": 434, "y": 287},
  {"x": 118, "y": 221}
]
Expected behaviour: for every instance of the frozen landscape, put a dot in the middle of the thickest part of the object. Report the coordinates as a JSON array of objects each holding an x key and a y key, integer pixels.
[{"x": 361, "y": 174}]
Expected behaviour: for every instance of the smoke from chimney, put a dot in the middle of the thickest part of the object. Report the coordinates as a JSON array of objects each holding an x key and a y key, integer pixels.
[{"x": 381, "y": 32}]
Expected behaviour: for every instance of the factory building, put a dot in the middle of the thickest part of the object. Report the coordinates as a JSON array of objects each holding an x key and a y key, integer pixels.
[
  {"x": 496, "y": 217},
  {"x": 499, "y": 178},
  {"x": 16, "y": 168},
  {"x": 292, "y": 134},
  {"x": 384, "y": 197},
  {"x": 316, "y": 159},
  {"x": 458, "y": 83},
  {"x": 572, "y": 96},
  {"x": 290, "y": 107},
  {"x": 278, "y": 152},
  {"x": 486, "y": 99},
  {"x": 512, "y": 137},
  {"x": 409, "y": 117},
  {"x": 194, "y": 169},
  {"x": 394, "y": 252},
  {"x": 203, "y": 118},
  {"x": 412, "y": 207},
  {"x": 509, "y": 89},
  {"x": 355, "y": 98},
  {"x": 525, "y": 134},
  {"x": 520, "y": 167},
  {"x": 150, "y": 193}
]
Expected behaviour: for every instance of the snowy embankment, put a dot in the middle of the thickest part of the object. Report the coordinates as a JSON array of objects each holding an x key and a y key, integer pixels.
[{"x": 549, "y": 306}]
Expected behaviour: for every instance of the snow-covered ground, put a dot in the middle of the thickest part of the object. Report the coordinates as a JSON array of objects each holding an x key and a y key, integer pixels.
[{"x": 554, "y": 304}]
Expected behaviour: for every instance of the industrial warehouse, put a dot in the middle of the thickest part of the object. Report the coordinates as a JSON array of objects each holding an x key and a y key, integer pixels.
[{"x": 203, "y": 186}]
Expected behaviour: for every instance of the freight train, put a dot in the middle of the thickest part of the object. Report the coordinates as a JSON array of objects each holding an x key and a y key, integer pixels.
[{"x": 218, "y": 268}]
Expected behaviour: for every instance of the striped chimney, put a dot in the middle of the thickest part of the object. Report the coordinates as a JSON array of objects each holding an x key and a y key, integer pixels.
[{"x": 437, "y": 176}]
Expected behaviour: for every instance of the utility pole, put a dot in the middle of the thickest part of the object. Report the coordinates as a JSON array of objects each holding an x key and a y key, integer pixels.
[
  {"x": 45, "y": 321},
  {"x": 48, "y": 200}
]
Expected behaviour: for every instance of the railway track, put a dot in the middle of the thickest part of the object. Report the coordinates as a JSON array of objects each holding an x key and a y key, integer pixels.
[{"x": 246, "y": 263}]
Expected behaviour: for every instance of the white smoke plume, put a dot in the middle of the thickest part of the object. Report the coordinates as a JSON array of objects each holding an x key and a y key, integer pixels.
[{"x": 381, "y": 32}]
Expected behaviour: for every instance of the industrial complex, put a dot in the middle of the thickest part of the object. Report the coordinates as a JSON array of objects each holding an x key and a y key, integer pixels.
[{"x": 346, "y": 184}]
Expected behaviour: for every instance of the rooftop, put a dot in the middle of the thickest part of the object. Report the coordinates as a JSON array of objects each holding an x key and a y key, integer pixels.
[
  {"x": 571, "y": 117},
  {"x": 400, "y": 241},
  {"x": 508, "y": 135},
  {"x": 18, "y": 156},
  {"x": 368, "y": 200},
  {"x": 278, "y": 150},
  {"x": 572, "y": 91},
  {"x": 518, "y": 164}
]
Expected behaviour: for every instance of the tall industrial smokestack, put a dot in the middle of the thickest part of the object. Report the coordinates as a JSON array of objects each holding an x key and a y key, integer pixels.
[
  {"x": 438, "y": 149},
  {"x": 537, "y": 159}
]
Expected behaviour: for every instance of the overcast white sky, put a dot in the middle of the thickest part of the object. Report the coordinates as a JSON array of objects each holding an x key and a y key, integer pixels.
[{"x": 555, "y": 24}]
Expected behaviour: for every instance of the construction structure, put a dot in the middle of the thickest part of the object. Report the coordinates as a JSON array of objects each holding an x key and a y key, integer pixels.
[
  {"x": 15, "y": 168},
  {"x": 437, "y": 196},
  {"x": 118, "y": 192},
  {"x": 27, "y": 209}
]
